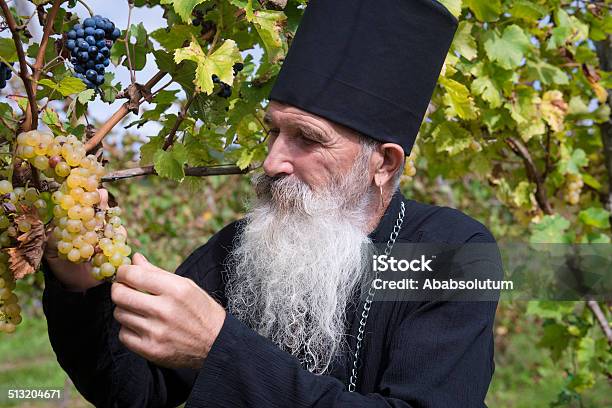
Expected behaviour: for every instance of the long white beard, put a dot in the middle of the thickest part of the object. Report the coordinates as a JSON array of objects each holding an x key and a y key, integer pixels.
[{"x": 298, "y": 262}]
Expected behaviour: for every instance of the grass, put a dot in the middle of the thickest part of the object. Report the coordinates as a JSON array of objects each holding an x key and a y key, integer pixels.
[{"x": 27, "y": 361}]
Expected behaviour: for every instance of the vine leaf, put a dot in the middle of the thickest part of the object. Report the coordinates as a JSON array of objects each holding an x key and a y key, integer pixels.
[
  {"x": 183, "y": 7},
  {"x": 7, "y": 49},
  {"x": 509, "y": 49},
  {"x": 485, "y": 10},
  {"x": 26, "y": 257},
  {"x": 219, "y": 63},
  {"x": 67, "y": 86}
]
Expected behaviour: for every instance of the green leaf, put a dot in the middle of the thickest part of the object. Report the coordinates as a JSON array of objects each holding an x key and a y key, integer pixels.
[
  {"x": 548, "y": 309},
  {"x": 8, "y": 50},
  {"x": 52, "y": 120},
  {"x": 86, "y": 95},
  {"x": 568, "y": 30},
  {"x": 546, "y": 73},
  {"x": 550, "y": 229},
  {"x": 138, "y": 49},
  {"x": 67, "y": 86},
  {"x": 219, "y": 63},
  {"x": 245, "y": 158},
  {"x": 509, "y": 49},
  {"x": 485, "y": 10},
  {"x": 486, "y": 88},
  {"x": 527, "y": 10},
  {"x": 108, "y": 91},
  {"x": 454, "y": 6},
  {"x": 269, "y": 25},
  {"x": 596, "y": 217},
  {"x": 556, "y": 339},
  {"x": 458, "y": 100},
  {"x": 464, "y": 42},
  {"x": 170, "y": 164},
  {"x": 176, "y": 37},
  {"x": 183, "y": 7},
  {"x": 572, "y": 162},
  {"x": 148, "y": 150},
  {"x": 450, "y": 137}
]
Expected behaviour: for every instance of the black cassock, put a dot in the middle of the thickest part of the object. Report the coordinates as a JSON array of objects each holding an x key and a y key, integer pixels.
[{"x": 415, "y": 354}]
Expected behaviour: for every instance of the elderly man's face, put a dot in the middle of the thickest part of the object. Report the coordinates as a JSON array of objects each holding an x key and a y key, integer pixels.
[{"x": 307, "y": 146}]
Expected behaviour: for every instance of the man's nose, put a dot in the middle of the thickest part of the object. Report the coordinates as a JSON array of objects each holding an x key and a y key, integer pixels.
[{"x": 278, "y": 161}]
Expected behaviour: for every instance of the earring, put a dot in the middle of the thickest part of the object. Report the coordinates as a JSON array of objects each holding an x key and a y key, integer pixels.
[{"x": 382, "y": 204}]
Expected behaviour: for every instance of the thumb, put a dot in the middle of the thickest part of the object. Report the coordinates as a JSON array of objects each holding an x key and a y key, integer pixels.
[{"x": 139, "y": 259}]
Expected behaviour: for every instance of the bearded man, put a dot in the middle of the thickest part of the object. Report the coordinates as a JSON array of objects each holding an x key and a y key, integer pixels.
[{"x": 270, "y": 312}]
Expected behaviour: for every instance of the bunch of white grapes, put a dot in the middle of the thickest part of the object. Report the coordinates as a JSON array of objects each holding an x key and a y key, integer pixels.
[
  {"x": 10, "y": 312},
  {"x": 573, "y": 186},
  {"x": 83, "y": 231}
]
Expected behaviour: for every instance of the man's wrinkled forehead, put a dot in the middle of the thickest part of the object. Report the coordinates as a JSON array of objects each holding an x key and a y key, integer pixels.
[{"x": 279, "y": 113}]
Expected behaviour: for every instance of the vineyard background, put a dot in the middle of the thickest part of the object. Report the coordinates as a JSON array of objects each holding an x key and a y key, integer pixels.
[{"x": 522, "y": 111}]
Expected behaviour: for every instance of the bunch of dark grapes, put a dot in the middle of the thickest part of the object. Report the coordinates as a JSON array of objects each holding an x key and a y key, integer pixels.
[
  {"x": 90, "y": 45},
  {"x": 226, "y": 89},
  {"x": 5, "y": 74}
]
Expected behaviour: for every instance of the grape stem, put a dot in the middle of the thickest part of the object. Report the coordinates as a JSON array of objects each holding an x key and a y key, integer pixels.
[
  {"x": 201, "y": 171},
  {"x": 89, "y": 10},
  {"x": 179, "y": 119},
  {"x": 119, "y": 114},
  {"x": 127, "y": 42},
  {"x": 31, "y": 119},
  {"x": 532, "y": 172}
]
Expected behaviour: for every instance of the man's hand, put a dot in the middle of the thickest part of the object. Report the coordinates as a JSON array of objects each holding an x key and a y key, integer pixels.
[{"x": 174, "y": 324}]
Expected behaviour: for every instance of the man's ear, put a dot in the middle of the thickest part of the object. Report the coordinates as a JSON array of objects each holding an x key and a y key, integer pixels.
[{"x": 388, "y": 160}]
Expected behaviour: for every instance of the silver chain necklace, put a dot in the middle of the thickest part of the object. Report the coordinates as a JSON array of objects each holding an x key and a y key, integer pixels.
[{"x": 368, "y": 302}]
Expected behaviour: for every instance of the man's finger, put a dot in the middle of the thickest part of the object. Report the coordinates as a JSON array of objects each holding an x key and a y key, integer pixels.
[
  {"x": 103, "y": 198},
  {"x": 134, "y": 321},
  {"x": 131, "y": 339},
  {"x": 127, "y": 298},
  {"x": 142, "y": 275}
]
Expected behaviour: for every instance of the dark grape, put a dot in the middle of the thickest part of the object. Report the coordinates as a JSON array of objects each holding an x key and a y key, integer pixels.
[
  {"x": 238, "y": 67},
  {"x": 215, "y": 79},
  {"x": 5, "y": 74},
  {"x": 89, "y": 44},
  {"x": 226, "y": 90}
]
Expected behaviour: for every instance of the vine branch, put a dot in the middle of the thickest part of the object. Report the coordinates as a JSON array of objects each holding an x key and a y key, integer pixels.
[
  {"x": 601, "y": 319},
  {"x": 532, "y": 172},
  {"x": 40, "y": 57},
  {"x": 119, "y": 114},
  {"x": 189, "y": 171},
  {"x": 31, "y": 118},
  {"x": 179, "y": 119}
]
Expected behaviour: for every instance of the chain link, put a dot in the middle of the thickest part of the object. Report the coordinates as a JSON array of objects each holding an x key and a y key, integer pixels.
[{"x": 368, "y": 302}]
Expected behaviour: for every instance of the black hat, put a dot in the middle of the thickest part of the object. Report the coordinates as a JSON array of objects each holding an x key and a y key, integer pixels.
[{"x": 371, "y": 65}]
